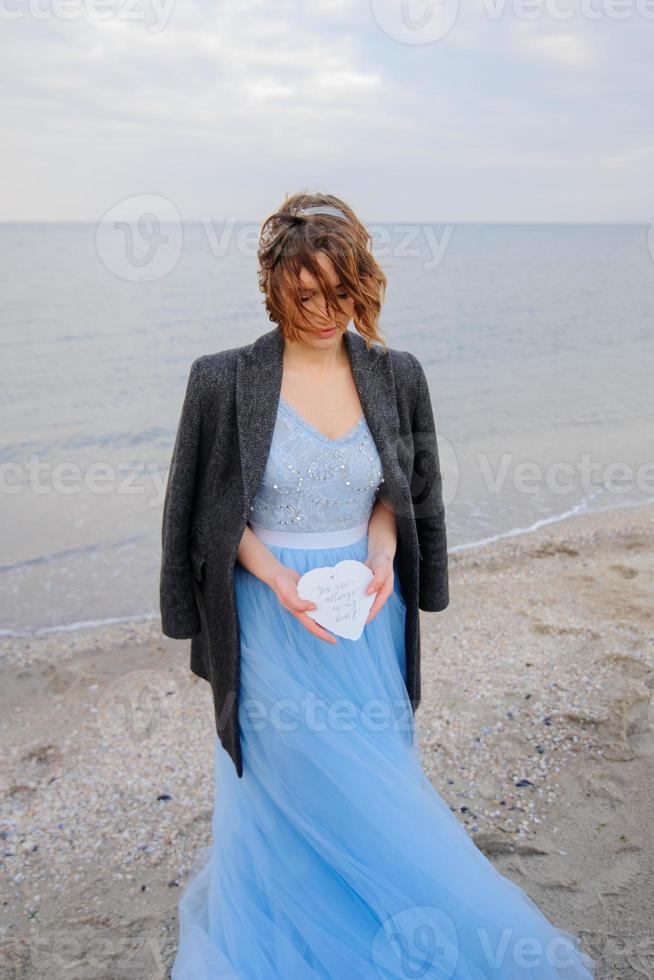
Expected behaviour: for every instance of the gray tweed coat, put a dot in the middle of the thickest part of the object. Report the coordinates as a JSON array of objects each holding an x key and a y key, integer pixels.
[{"x": 218, "y": 459}]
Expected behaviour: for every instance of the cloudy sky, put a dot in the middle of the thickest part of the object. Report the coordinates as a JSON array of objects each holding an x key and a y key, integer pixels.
[{"x": 498, "y": 110}]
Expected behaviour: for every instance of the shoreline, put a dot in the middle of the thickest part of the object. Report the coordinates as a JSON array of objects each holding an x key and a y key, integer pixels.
[
  {"x": 153, "y": 617},
  {"x": 545, "y": 522},
  {"x": 539, "y": 673}
]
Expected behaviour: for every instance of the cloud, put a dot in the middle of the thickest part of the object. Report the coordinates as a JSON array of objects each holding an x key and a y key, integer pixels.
[
  {"x": 233, "y": 103},
  {"x": 631, "y": 158},
  {"x": 565, "y": 49}
]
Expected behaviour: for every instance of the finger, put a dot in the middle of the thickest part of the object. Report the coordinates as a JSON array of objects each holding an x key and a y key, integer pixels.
[
  {"x": 379, "y": 583},
  {"x": 318, "y": 631},
  {"x": 314, "y": 628},
  {"x": 379, "y": 579},
  {"x": 295, "y": 604},
  {"x": 376, "y": 583},
  {"x": 382, "y": 596}
]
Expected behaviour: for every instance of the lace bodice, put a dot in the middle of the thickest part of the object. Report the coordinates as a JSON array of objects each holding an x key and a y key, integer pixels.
[{"x": 314, "y": 483}]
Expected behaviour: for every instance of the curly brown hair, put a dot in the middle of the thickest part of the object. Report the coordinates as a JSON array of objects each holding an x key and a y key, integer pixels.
[{"x": 287, "y": 244}]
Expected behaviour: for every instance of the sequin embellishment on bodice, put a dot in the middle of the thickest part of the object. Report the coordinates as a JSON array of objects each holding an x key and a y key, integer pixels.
[{"x": 314, "y": 483}]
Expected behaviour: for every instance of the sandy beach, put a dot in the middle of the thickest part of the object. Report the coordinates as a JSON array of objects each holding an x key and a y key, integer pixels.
[{"x": 535, "y": 726}]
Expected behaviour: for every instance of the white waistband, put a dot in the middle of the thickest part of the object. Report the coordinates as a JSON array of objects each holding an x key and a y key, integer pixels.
[{"x": 311, "y": 539}]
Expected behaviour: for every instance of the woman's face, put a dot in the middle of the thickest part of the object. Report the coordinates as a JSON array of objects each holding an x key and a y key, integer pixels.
[{"x": 322, "y": 329}]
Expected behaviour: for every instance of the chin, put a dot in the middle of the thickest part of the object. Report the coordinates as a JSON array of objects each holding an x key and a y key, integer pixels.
[{"x": 315, "y": 335}]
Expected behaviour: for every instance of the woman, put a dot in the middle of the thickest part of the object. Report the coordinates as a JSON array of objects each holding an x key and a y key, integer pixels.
[{"x": 333, "y": 856}]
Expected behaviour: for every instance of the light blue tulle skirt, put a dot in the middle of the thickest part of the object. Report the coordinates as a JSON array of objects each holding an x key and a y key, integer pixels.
[{"x": 333, "y": 856}]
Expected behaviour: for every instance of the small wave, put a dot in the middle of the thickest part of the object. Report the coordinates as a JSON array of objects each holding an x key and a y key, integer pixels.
[
  {"x": 79, "y": 625},
  {"x": 580, "y": 508}
]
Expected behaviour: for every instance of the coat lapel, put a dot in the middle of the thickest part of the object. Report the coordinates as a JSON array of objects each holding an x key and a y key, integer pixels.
[{"x": 258, "y": 385}]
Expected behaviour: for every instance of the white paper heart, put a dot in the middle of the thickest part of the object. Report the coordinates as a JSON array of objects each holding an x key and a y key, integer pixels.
[{"x": 339, "y": 593}]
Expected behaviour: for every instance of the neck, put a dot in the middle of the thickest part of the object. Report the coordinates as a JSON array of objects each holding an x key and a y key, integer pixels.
[{"x": 318, "y": 355}]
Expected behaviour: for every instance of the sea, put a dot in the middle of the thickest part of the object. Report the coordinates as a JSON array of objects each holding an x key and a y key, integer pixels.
[{"x": 537, "y": 341}]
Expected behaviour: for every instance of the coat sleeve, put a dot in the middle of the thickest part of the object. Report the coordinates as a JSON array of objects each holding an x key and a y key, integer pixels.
[
  {"x": 428, "y": 502},
  {"x": 179, "y": 613}
]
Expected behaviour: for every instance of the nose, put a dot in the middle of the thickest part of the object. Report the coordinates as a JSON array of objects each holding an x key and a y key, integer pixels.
[{"x": 319, "y": 307}]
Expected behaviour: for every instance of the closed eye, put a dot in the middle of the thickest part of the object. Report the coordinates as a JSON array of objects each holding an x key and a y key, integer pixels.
[{"x": 305, "y": 299}]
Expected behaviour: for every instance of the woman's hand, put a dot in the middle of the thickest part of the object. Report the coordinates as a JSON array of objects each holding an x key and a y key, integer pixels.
[
  {"x": 381, "y": 563},
  {"x": 284, "y": 584},
  {"x": 260, "y": 561}
]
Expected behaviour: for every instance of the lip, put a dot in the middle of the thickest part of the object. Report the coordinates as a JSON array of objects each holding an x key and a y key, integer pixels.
[{"x": 327, "y": 333}]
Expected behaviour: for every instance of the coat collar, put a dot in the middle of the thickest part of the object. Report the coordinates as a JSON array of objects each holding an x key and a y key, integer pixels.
[{"x": 258, "y": 385}]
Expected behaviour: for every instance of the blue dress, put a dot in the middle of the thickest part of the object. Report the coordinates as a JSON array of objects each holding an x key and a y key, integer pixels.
[{"x": 333, "y": 857}]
